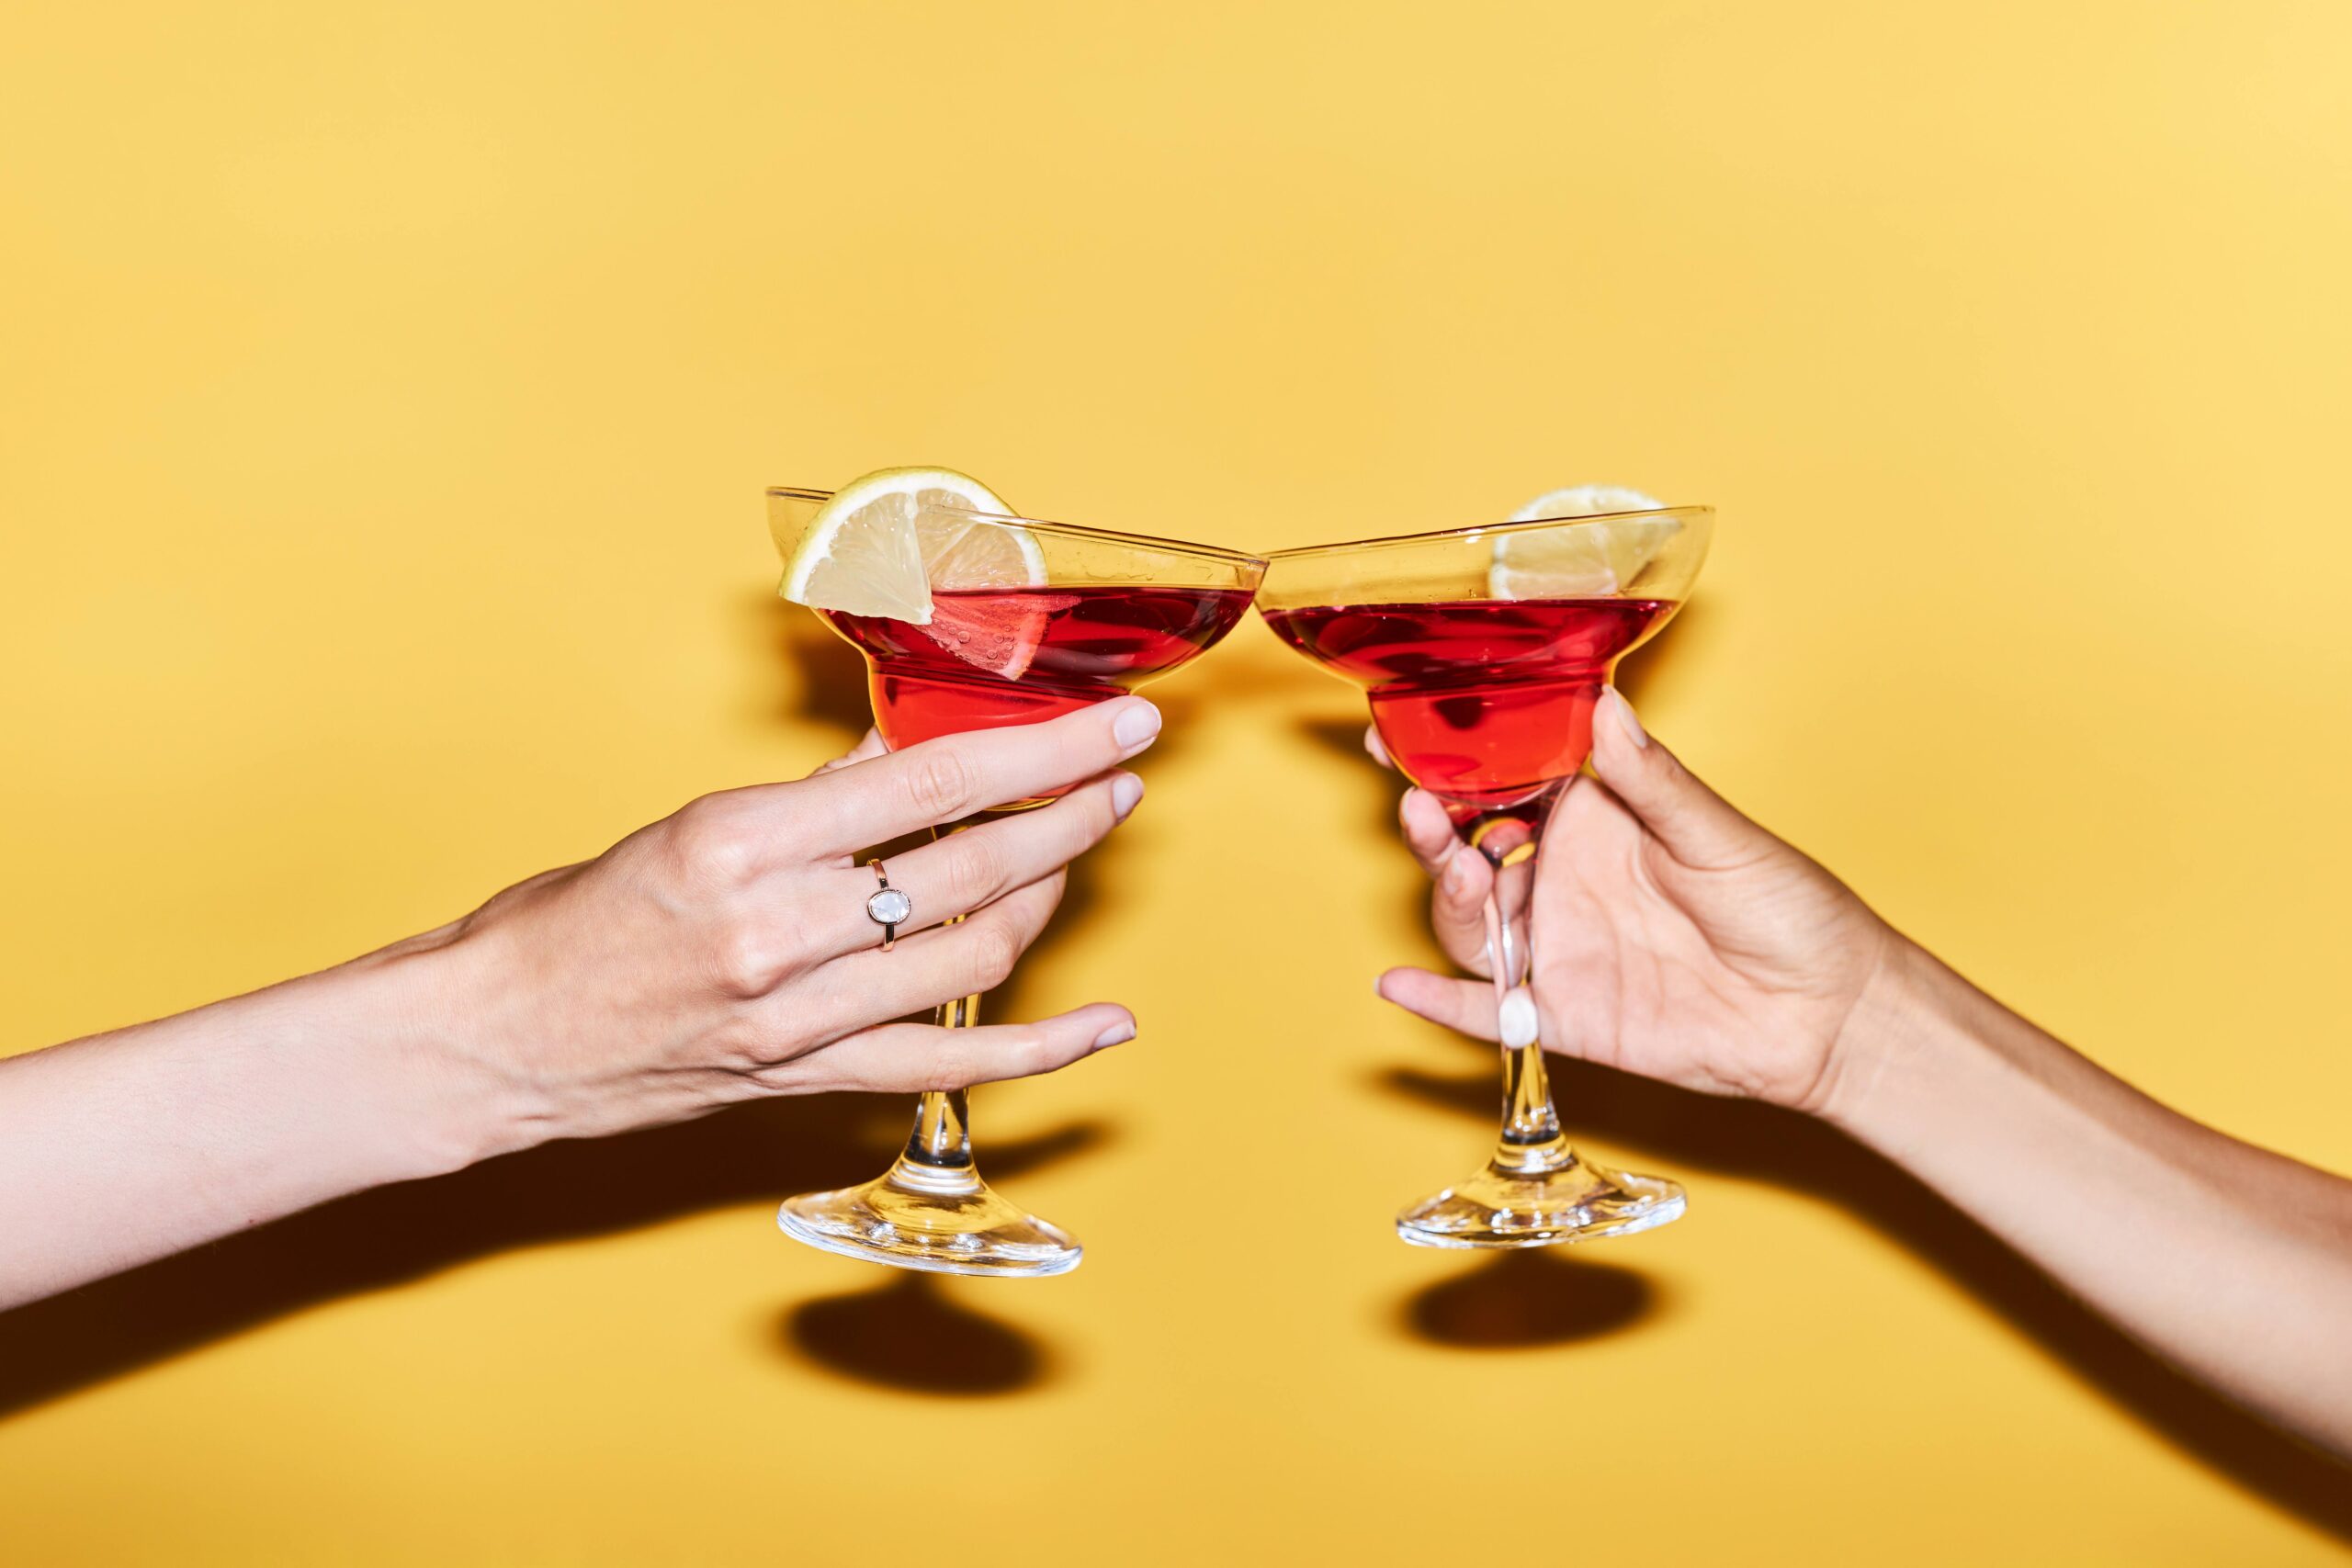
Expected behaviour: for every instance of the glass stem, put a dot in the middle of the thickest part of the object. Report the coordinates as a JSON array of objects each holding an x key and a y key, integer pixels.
[
  {"x": 1532, "y": 1139},
  {"x": 938, "y": 1156}
]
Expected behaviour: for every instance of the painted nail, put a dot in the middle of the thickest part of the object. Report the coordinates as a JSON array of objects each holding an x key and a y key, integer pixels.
[
  {"x": 1136, "y": 726},
  {"x": 1117, "y": 1034},
  {"x": 1125, "y": 790},
  {"x": 1621, "y": 712}
]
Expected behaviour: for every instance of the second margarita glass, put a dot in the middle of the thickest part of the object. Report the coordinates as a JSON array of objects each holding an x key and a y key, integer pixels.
[{"x": 1484, "y": 651}]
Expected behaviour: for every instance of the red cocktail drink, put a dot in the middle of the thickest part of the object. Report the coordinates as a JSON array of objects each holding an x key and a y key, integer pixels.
[
  {"x": 999, "y": 655},
  {"x": 1485, "y": 703}
]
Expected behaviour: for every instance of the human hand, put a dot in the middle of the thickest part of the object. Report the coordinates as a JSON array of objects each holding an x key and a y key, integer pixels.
[
  {"x": 725, "y": 952},
  {"x": 1671, "y": 936}
]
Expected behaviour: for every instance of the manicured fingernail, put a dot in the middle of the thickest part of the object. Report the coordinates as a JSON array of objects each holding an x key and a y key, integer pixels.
[
  {"x": 1620, "y": 712},
  {"x": 1125, "y": 790},
  {"x": 1136, "y": 726},
  {"x": 1517, "y": 1018},
  {"x": 1117, "y": 1034}
]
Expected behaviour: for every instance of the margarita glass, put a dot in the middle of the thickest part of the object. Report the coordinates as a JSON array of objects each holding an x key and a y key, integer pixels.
[
  {"x": 1483, "y": 652},
  {"x": 1098, "y": 614}
]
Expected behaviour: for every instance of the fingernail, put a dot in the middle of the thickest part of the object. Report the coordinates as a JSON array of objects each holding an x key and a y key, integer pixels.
[
  {"x": 1456, "y": 876},
  {"x": 1136, "y": 725},
  {"x": 1117, "y": 1034},
  {"x": 1518, "y": 1018},
  {"x": 1125, "y": 790},
  {"x": 1621, "y": 712}
]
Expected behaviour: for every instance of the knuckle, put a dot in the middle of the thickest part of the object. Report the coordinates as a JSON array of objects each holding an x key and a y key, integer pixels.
[
  {"x": 749, "y": 962},
  {"x": 710, "y": 843},
  {"x": 744, "y": 1046},
  {"x": 975, "y": 869},
  {"x": 996, "y": 948},
  {"x": 1038, "y": 904},
  {"x": 1023, "y": 1053},
  {"x": 1032, "y": 1050},
  {"x": 952, "y": 1064},
  {"x": 1094, "y": 824},
  {"x": 940, "y": 782}
]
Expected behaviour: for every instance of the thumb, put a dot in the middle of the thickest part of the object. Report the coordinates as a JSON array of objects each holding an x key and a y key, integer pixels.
[{"x": 1697, "y": 826}]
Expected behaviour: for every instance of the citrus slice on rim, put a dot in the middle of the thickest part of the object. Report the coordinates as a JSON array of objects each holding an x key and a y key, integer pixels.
[
  {"x": 887, "y": 542},
  {"x": 887, "y": 539},
  {"x": 1591, "y": 561}
]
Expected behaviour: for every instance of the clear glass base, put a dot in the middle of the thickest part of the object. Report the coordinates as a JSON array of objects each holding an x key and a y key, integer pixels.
[
  {"x": 940, "y": 1221},
  {"x": 1541, "y": 1199}
]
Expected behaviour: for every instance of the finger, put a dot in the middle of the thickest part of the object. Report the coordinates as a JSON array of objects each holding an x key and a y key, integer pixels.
[
  {"x": 871, "y": 986},
  {"x": 1467, "y": 1006},
  {"x": 869, "y": 746},
  {"x": 948, "y": 779},
  {"x": 1461, "y": 878},
  {"x": 911, "y": 1058},
  {"x": 976, "y": 866},
  {"x": 1697, "y": 826},
  {"x": 1373, "y": 746},
  {"x": 1428, "y": 831}
]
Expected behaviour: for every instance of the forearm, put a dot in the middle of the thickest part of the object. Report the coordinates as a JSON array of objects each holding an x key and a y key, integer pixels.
[
  {"x": 2232, "y": 1261},
  {"x": 128, "y": 1146}
]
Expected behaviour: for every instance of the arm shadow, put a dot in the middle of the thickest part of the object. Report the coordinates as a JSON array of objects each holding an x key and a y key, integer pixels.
[
  {"x": 1693, "y": 1133},
  {"x": 750, "y": 1154}
]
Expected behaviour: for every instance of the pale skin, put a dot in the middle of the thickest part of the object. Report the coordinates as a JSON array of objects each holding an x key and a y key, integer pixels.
[
  {"x": 1676, "y": 939},
  {"x": 722, "y": 954}
]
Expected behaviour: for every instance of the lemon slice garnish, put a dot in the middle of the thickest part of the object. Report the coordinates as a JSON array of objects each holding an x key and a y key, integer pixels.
[
  {"x": 886, "y": 540},
  {"x": 1589, "y": 561}
]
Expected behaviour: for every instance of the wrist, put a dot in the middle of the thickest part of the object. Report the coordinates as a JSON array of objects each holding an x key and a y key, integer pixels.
[
  {"x": 1901, "y": 1029},
  {"x": 443, "y": 1099}
]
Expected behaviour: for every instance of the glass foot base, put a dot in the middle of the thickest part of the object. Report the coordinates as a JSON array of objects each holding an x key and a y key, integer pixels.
[
  {"x": 1541, "y": 1206},
  {"x": 947, "y": 1222}
]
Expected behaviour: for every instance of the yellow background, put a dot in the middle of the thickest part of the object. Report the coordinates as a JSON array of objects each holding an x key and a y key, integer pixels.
[{"x": 385, "y": 397}]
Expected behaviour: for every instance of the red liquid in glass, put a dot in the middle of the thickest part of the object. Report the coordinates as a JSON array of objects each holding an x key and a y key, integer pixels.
[
  {"x": 1000, "y": 656},
  {"x": 1485, "y": 703}
]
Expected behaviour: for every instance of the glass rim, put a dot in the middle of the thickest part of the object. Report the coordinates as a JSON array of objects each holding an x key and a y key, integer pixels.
[
  {"x": 1065, "y": 530},
  {"x": 1482, "y": 530}
]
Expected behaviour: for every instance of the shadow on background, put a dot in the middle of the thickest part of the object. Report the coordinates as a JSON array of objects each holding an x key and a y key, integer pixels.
[
  {"x": 1527, "y": 1299},
  {"x": 1689, "y": 1133},
  {"x": 907, "y": 1333},
  {"x": 821, "y": 678},
  {"x": 754, "y": 1154},
  {"x": 1377, "y": 789}
]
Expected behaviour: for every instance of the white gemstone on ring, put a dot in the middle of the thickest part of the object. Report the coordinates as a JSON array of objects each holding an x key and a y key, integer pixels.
[{"x": 888, "y": 907}]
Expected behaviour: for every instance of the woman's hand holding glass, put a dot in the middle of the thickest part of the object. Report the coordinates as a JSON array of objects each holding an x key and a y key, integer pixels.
[
  {"x": 726, "y": 952},
  {"x": 1674, "y": 938},
  {"x": 721, "y": 954},
  {"x": 1678, "y": 940}
]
